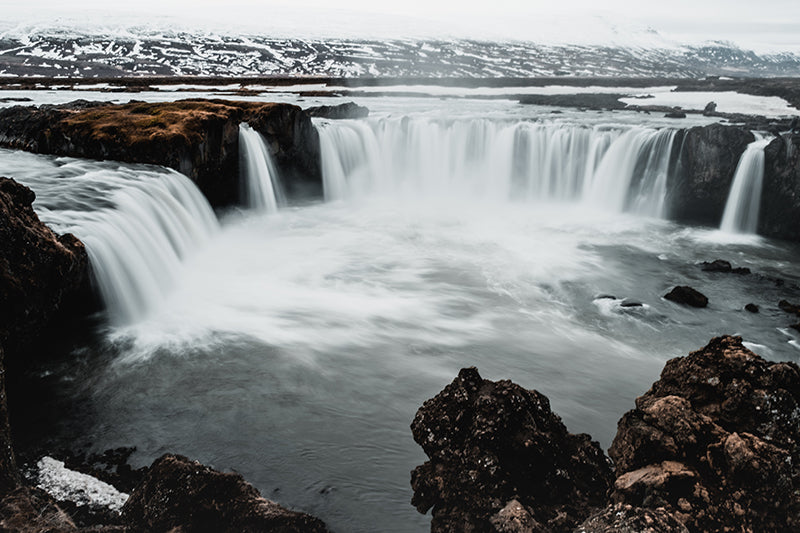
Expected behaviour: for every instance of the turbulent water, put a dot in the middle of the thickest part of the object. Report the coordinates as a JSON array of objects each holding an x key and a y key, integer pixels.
[{"x": 296, "y": 346}]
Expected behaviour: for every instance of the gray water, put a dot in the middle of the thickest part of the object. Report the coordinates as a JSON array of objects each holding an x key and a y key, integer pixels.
[{"x": 295, "y": 347}]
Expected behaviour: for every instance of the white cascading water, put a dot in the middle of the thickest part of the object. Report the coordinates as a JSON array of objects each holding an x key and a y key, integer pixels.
[
  {"x": 138, "y": 223},
  {"x": 744, "y": 199},
  {"x": 261, "y": 187},
  {"x": 615, "y": 168}
]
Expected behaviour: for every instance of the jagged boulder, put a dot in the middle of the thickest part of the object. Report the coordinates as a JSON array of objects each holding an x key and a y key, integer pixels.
[
  {"x": 199, "y": 138},
  {"x": 707, "y": 157},
  {"x": 178, "y": 494},
  {"x": 780, "y": 196},
  {"x": 715, "y": 442},
  {"x": 501, "y": 460}
]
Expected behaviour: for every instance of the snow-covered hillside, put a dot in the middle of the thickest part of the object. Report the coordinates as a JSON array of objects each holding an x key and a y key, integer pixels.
[{"x": 137, "y": 51}]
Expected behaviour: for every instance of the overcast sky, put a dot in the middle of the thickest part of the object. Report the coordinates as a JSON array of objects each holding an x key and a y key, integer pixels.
[{"x": 767, "y": 25}]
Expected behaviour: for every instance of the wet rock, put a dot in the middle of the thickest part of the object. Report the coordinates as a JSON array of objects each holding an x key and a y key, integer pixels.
[
  {"x": 780, "y": 195},
  {"x": 622, "y": 518},
  {"x": 500, "y": 460},
  {"x": 706, "y": 159},
  {"x": 710, "y": 108},
  {"x": 29, "y": 510},
  {"x": 752, "y": 308},
  {"x": 39, "y": 271},
  {"x": 675, "y": 114},
  {"x": 341, "y": 111},
  {"x": 198, "y": 138},
  {"x": 715, "y": 442},
  {"x": 183, "y": 495},
  {"x": 720, "y": 265},
  {"x": 630, "y": 303},
  {"x": 687, "y": 296},
  {"x": 789, "y": 307}
]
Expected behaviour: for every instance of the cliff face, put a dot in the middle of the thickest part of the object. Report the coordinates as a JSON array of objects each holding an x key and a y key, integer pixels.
[
  {"x": 39, "y": 273},
  {"x": 780, "y": 197},
  {"x": 704, "y": 166},
  {"x": 199, "y": 138}
]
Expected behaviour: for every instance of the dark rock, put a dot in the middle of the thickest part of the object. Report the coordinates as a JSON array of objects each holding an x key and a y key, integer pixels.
[
  {"x": 706, "y": 161},
  {"x": 501, "y": 460},
  {"x": 687, "y": 296},
  {"x": 715, "y": 442},
  {"x": 719, "y": 265},
  {"x": 710, "y": 108},
  {"x": 780, "y": 195},
  {"x": 789, "y": 307},
  {"x": 623, "y": 518},
  {"x": 199, "y": 138},
  {"x": 111, "y": 466},
  {"x": 753, "y": 308},
  {"x": 39, "y": 270},
  {"x": 341, "y": 111},
  {"x": 630, "y": 303},
  {"x": 30, "y": 510},
  {"x": 675, "y": 114},
  {"x": 183, "y": 495}
]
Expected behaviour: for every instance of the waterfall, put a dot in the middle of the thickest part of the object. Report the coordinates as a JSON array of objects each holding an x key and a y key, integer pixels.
[
  {"x": 744, "y": 199},
  {"x": 617, "y": 168},
  {"x": 139, "y": 223},
  {"x": 261, "y": 187}
]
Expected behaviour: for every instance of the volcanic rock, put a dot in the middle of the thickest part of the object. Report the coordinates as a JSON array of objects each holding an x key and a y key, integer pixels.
[
  {"x": 789, "y": 307},
  {"x": 752, "y": 308},
  {"x": 500, "y": 460},
  {"x": 39, "y": 270},
  {"x": 623, "y": 518},
  {"x": 182, "y": 495},
  {"x": 707, "y": 157},
  {"x": 780, "y": 195},
  {"x": 341, "y": 111},
  {"x": 199, "y": 138},
  {"x": 716, "y": 442},
  {"x": 687, "y": 296},
  {"x": 720, "y": 265}
]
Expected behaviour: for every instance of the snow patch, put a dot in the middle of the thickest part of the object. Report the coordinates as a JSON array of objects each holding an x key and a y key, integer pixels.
[{"x": 65, "y": 484}]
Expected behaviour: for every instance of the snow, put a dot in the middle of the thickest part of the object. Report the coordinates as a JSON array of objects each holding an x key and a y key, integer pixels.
[{"x": 65, "y": 484}]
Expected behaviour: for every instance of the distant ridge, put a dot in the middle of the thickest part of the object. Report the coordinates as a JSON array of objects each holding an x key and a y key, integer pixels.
[{"x": 88, "y": 54}]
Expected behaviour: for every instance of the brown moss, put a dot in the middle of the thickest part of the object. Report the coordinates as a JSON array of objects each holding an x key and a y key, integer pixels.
[{"x": 167, "y": 121}]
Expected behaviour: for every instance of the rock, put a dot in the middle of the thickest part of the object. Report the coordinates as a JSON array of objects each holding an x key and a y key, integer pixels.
[
  {"x": 687, "y": 296},
  {"x": 780, "y": 195},
  {"x": 183, "y": 495},
  {"x": 675, "y": 114},
  {"x": 199, "y": 138},
  {"x": 789, "y": 307},
  {"x": 500, "y": 460},
  {"x": 630, "y": 303},
  {"x": 752, "y": 308},
  {"x": 719, "y": 265},
  {"x": 39, "y": 271},
  {"x": 706, "y": 160},
  {"x": 27, "y": 510},
  {"x": 710, "y": 108},
  {"x": 715, "y": 442},
  {"x": 622, "y": 518},
  {"x": 341, "y": 111}
]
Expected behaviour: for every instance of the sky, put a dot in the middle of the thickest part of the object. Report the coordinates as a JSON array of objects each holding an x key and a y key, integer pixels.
[{"x": 769, "y": 25}]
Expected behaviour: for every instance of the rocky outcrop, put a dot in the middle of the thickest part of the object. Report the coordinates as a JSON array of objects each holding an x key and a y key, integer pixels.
[
  {"x": 39, "y": 271},
  {"x": 715, "y": 441},
  {"x": 500, "y": 460},
  {"x": 182, "y": 495},
  {"x": 780, "y": 196},
  {"x": 341, "y": 111},
  {"x": 706, "y": 162},
  {"x": 199, "y": 138},
  {"x": 712, "y": 446}
]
